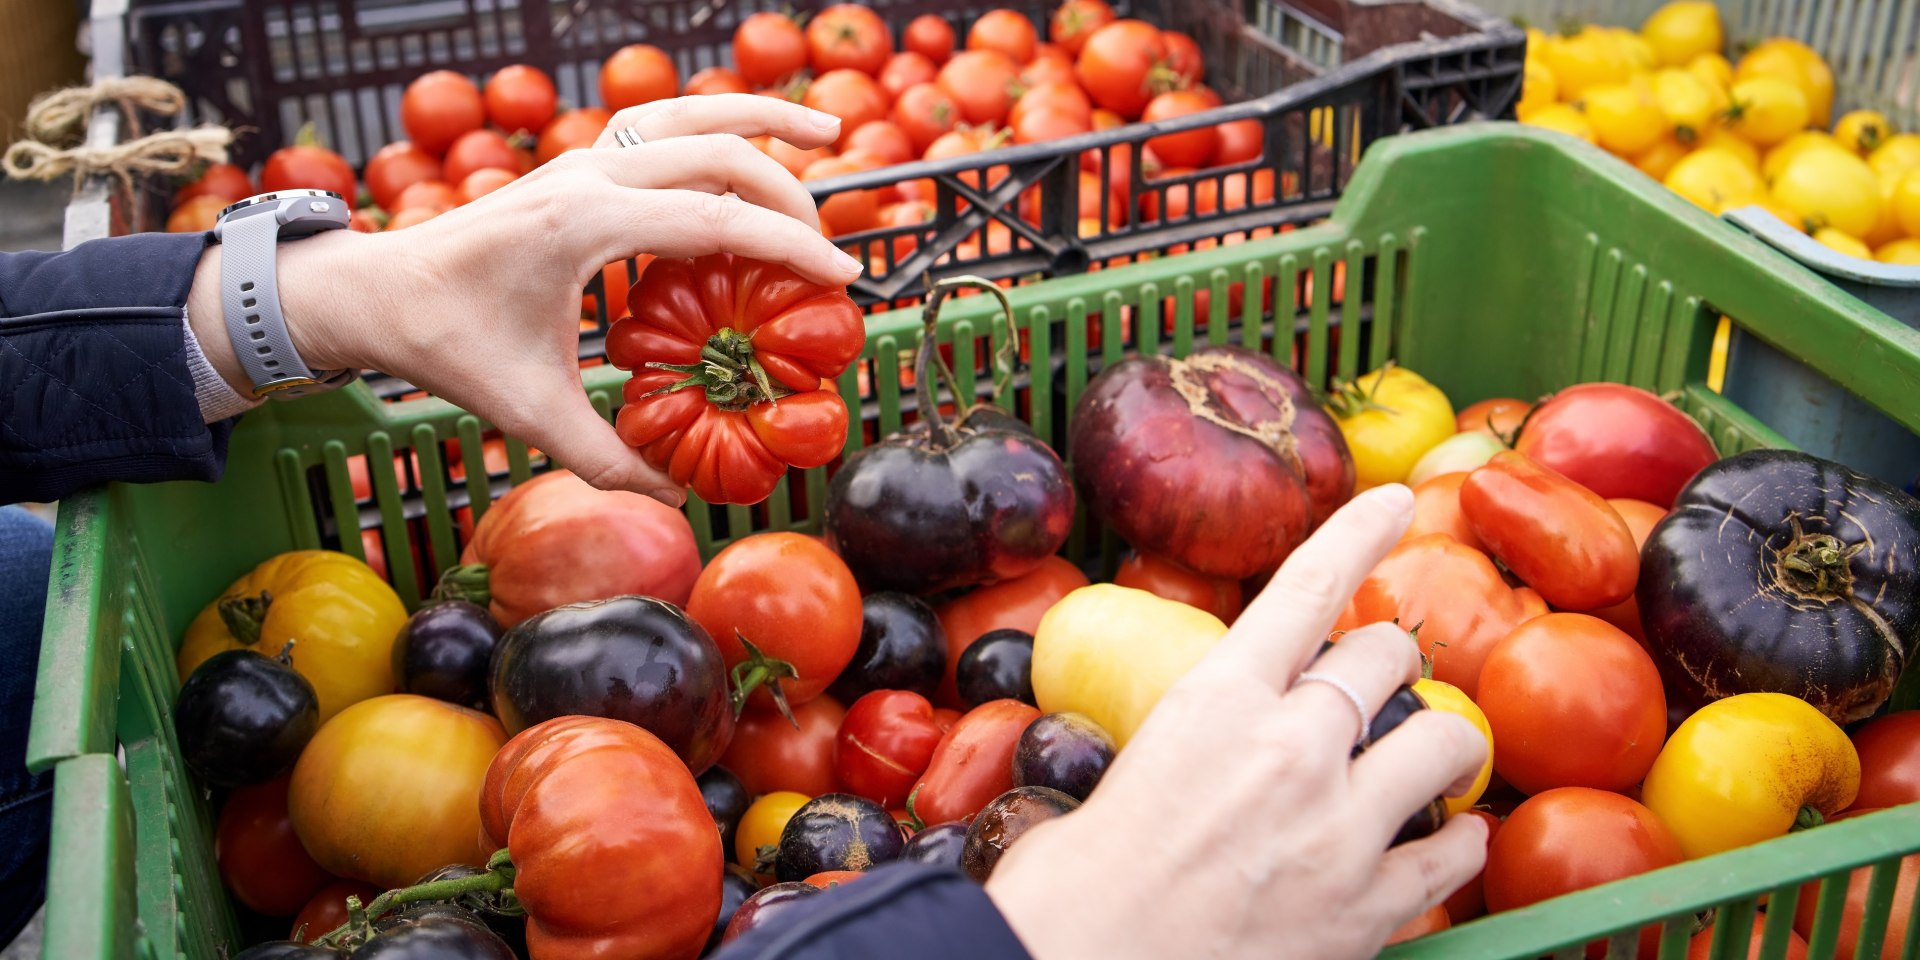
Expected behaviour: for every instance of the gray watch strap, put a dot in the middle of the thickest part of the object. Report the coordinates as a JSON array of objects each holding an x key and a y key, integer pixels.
[{"x": 250, "y": 300}]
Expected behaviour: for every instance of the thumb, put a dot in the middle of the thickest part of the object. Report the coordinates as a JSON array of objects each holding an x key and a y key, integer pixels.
[{"x": 577, "y": 438}]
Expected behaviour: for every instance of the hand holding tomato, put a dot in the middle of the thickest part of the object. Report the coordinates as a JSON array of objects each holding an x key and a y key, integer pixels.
[{"x": 1237, "y": 742}]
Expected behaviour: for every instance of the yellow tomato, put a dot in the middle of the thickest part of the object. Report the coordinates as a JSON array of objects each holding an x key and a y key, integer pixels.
[
  {"x": 1658, "y": 160},
  {"x": 1719, "y": 139},
  {"x": 1690, "y": 104},
  {"x": 1640, "y": 53},
  {"x": 1448, "y": 698},
  {"x": 1538, "y": 89},
  {"x": 1831, "y": 188},
  {"x": 1589, "y": 58},
  {"x": 1716, "y": 180},
  {"x": 1390, "y": 418},
  {"x": 1905, "y": 252},
  {"x": 1898, "y": 154},
  {"x": 1767, "y": 110},
  {"x": 342, "y": 614},
  {"x": 1112, "y": 652},
  {"x": 1713, "y": 68},
  {"x": 760, "y": 827},
  {"x": 1776, "y": 160},
  {"x": 1835, "y": 240},
  {"x": 1906, "y": 202},
  {"x": 1787, "y": 215},
  {"x": 1862, "y": 130},
  {"x": 1625, "y": 120},
  {"x": 1887, "y": 228},
  {"x": 1795, "y": 62},
  {"x": 1564, "y": 118},
  {"x": 1682, "y": 30}
]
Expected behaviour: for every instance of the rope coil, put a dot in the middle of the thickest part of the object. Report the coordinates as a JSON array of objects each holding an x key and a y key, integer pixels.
[{"x": 56, "y": 125}]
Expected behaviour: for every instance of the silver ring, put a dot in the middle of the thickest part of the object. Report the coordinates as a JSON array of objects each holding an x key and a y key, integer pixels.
[
  {"x": 629, "y": 137},
  {"x": 1352, "y": 695}
]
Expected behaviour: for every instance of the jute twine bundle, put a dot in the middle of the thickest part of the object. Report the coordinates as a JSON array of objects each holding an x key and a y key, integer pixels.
[{"x": 56, "y": 124}]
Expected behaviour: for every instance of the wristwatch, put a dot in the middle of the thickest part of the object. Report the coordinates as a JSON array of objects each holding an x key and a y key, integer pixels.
[{"x": 251, "y": 231}]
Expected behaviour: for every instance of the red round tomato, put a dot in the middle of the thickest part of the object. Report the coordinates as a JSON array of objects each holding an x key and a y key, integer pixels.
[
  {"x": 1188, "y": 148},
  {"x": 768, "y": 48},
  {"x": 197, "y": 215},
  {"x": 1241, "y": 141},
  {"x": 328, "y": 909},
  {"x": 480, "y": 150},
  {"x": 1470, "y": 900},
  {"x": 849, "y": 211},
  {"x": 1889, "y": 751},
  {"x": 1573, "y": 702},
  {"x": 1041, "y": 126},
  {"x": 885, "y": 744},
  {"x": 1701, "y": 946},
  {"x": 222, "y": 180},
  {"x": 981, "y": 82},
  {"x": 905, "y": 69},
  {"x": 440, "y": 106},
  {"x": 1617, "y": 441},
  {"x": 714, "y": 80},
  {"x": 397, "y": 166},
  {"x": 789, "y": 596},
  {"x": 1571, "y": 839},
  {"x": 852, "y": 96},
  {"x": 931, "y": 36},
  {"x": 973, "y": 763},
  {"x": 260, "y": 857},
  {"x": 848, "y": 36},
  {"x": 1062, "y": 97},
  {"x": 482, "y": 182},
  {"x": 1050, "y": 64},
  {"x": 637, "y": 73},
  {"x": 768, "y": 753},
  {"x": 1115, "y": 62},
  {"x": 573, "y": 130},
  {"x": 1006, "y": 31},
  {"x": 1552, "y": 533},
  {"x": 302, "y": 167},
  {"x": 437, "y": 196},
  {"x": 1184, "y": 60},
  {"x": 519, "y": 98},
  {"x": 925, "y": 112},
  {"x": 1432, "y": 921},
  {"x": 794, "y": 158},
  {"x": 1164, "y": 578},
  {"x": 1499, "y": 416},
  {"x": 1076, "y": 20},
  {"x": 884, "y": 140},
  {"x": 1016, "y": 604}
]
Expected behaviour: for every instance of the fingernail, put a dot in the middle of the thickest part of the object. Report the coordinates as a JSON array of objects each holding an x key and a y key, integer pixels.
[
  {"x": 848, "y": 261},
  {"x": 822, "y": 119},
  {"x": 669, "y": 496}
]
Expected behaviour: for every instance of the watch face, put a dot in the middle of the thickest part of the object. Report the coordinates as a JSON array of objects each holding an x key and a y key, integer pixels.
[{"x": 260, "y": 198}]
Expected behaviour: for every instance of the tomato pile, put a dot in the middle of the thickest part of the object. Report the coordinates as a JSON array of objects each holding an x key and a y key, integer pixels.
[{"x": 1727, "y": 134}]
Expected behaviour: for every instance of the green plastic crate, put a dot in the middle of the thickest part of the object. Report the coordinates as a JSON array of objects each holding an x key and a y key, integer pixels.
[{"x": 1497, "y": 260}]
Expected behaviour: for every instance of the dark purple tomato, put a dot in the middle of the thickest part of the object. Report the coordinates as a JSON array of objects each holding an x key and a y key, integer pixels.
[
  {"x": 512, "y": 929},
  {"x": 444, "y": 652},
  {"x": 636, "y": 659},
  {"x": 1004, "y": 820},
  {"x": 736, "y": 886},
  {"x": 997, "y": 666},
  {"x": 436, "y": 935},
  {"x": 765, "y": 907},
  {"x": 838, "y": 831},
  {"x": 727, "y": 799},
  {"x": 243, "y": 718},
  {"x": 902, "y": 647},
  {"x": 286, "y": 950},
  {"x": 939, "y": 844},
  {"x": 1066, "y": 751}
]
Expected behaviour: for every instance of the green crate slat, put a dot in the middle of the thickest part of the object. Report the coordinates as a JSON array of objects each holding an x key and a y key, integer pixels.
[{"x": 1497, "y": 260}]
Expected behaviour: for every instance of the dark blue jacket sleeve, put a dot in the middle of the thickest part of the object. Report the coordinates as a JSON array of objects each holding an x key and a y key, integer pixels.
[
  {"x": 900, "y": 910},
  {"x": 94, "y": 382}
]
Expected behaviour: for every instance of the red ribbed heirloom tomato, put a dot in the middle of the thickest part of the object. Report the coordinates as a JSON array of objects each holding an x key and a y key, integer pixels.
[
  {"x": 614, "y": 852},
  {"x": 733, "y": 363}
]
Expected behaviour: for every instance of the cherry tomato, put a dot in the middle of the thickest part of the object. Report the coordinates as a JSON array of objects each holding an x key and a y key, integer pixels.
[
  {"x": 1164, "y": 578},
  {"x": 308, "y": 167},
  {"x": 931, "y": 36},
  {"x": 222, "y": 180},
  {"x": 1854, "y": 912},
  {"x": 1470, "y": 900},
  {"x": 520, "y": 97},
  {"x": 885, "y": 744},
  {"x": 973, "y": 763},
  {"x": 1499, "y": 416},
  {"x": 760, "y": 829},
  {"x": 260, "y": 857},
  {"x": 328, "y": 909},
  {"x": 767, "y": 48},
  {"x": 397, "y": 166},
  {"x": 905, "y": 69},
  {"x": 1555, "y": 535},
  {"x": 852, "y": 96},
  {"x": 1571, "y": 839},
  {"x": 573, "y": 130},
  {"x": 1115, "y": 61},
  {"x": 480, "y": 150},
  {"x": 438, "y": 107},
  {"x": 1641, "y": 517},
  {"x": 1573, "y": 702},
  {"x": 1889, "y": 751},
  {"x": 436, "y": 196},
  {"x": 925, "y": 112},
  {"x": 848, "y": 36},
  {"x": 1432, "y": 921},
  {"x": 1701, "y": 946},
  {"x": 768, "y": 754},
  {"x": 196, "y": 215},
  {"x": 1189, "y": 148},
  {"x": 714, "y": 80},
  {"x": 1016, "y": 604},
  {"x": 981, "y": 82},
  {"x": 791, "y": 597},
  {"x": 1617, "y": 441},
  {"x": 1006, "y": 31},
  {"x": 1240, "y": 142},
  {"x": 637, "y": 73},
  {"x": 1076, "y": 20}
]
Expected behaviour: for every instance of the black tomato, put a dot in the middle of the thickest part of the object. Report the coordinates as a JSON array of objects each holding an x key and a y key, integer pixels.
[
  {"x": 939, "y": 844},
  {"x": 727, "y": 800},
  {"x": 286, "y": 950},
  {"x": 902, "y": 647},
  {"x": 444, "y": 652},
  {"x": 510, "y": 928},
  {"x": 838, "y": 831},
  {"x": 1004, "y": 820},
  {"x": 636, "y": 659},
  {"x": 1403, "y": 704},
  {"x": 736, "y": 886},
  {"x": 433, "y": 935},
  {"x": 1065, "y": 751},
  {"x": 766, "y": 907},
  {"x": 243, "y": 718},
  {"x": 997, "y": 666}
]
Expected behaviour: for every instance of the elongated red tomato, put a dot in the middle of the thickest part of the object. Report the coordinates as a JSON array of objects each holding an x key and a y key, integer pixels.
[
  {"x": 1555, "y": 534},
  {"x": 733, "y": 363},
  {"x": 973, "y": 763}
]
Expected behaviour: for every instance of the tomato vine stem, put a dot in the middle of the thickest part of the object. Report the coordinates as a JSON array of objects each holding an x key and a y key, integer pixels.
[{"x": 1005, "y": 356}]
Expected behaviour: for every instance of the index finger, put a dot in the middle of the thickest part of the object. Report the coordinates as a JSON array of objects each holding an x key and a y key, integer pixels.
[
  {"x": 741, "y": 114},
  {"x": 1284, "y": 626}
]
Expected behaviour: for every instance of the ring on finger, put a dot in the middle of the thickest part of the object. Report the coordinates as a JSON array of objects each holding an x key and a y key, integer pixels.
[
  {"x": 1346, "y": 689},
  {"x": 629, "y": 137}
]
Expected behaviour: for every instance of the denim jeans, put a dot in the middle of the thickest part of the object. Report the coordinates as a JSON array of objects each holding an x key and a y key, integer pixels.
[{"x": 26, "y": 800}]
